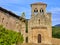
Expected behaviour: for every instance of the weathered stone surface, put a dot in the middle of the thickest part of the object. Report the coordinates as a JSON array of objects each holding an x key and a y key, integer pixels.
[
  {"x": 12, "y": 22},
  {"x": 39, "y": 25}
]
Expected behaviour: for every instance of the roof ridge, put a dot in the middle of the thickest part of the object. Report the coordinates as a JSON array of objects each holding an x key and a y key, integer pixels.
[
  {"x": 10, "y": 12},
  {"x": 39, "y": 3}
]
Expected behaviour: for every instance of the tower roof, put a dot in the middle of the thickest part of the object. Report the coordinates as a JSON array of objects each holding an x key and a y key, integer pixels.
[{"x": 39, "y": 3}]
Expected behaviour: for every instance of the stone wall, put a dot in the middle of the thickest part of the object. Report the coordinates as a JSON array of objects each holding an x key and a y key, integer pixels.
[
  {"x": 36, "y": 44},
  {"x": 12, "y": 23},
  {"x": 55, "y": 41},
  {"x": 39, "y": 24},
  {"x": 9, "y": 21}
]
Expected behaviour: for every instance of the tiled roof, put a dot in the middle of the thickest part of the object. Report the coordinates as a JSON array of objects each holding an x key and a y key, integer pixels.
[
  {"x": 40, "y": 3},
  {"x": 10, "y": 13}
]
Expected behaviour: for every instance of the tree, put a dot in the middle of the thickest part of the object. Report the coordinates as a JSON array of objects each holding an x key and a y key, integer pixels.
[
  {"x": 19, "y": 38},
  {"x": 8, "y": 37},
  {"x": 56, "y": 32},
  {"x": 23, "y": 15}
]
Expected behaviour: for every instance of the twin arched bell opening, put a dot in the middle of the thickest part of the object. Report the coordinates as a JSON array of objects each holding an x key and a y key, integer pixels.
[
  {"x": 41, "y": 11},
  {"x": 36, "y": 11}
]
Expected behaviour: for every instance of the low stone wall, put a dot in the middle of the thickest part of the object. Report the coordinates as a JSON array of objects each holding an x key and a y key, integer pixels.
[
  {"x": 35, "y": 44},
  {"x": 56, "y": 41}
]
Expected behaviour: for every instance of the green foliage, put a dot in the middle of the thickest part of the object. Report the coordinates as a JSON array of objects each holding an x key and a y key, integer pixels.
[
  {"x": 9, "y": 37},
  {"x": 56, "y": 32},
  {"x": 20, "y": 38},
  {"x": 23, "y": 15}
]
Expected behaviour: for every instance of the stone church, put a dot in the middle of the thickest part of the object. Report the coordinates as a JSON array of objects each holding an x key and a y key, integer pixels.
[{"x": 37, "y": 29}]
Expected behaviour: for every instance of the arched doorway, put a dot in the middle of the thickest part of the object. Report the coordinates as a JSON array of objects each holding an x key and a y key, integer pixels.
[{"x": 39, "y": 38}]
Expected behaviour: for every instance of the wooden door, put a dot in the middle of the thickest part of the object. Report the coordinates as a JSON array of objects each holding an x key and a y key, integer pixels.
[{"x": 39, "y": 38}]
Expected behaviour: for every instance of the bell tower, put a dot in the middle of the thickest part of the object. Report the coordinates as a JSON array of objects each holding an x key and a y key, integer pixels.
[
  {"x": 39, "y": 26},
  {"x": 38, "y": 8}
]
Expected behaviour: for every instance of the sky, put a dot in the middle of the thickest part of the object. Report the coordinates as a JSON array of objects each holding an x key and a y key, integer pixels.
[{"x": 19, "y": 6}]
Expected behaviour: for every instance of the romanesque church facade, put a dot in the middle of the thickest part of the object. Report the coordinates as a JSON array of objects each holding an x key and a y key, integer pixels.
[{"x": 38, "y": 29}]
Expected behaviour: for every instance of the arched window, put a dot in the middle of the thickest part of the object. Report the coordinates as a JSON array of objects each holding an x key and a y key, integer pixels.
[
  {"x": 39, "y": 21},
  {"x": 41, "y": 11},
  {"x": 2, "y": 20},
  {"x": 26, "y": 39},
  {"x": 39, "y": 38},
  {"x": 35, "y": 11}
]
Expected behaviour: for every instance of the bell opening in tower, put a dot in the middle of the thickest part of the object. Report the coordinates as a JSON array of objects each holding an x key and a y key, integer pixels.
[
  {"x": 35, "y": 11},
  {"x": 41, "y": 11}
]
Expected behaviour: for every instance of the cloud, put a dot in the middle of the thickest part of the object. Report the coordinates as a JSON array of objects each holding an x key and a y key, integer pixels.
[
  {"x": 55, "y": 15},
  {"x": 17, "y": 1},
  {"x": 19, "y": 6},
  {"x": 55, "y": 10},
  {"x": 11, "y": 1},
  {"x": 23, "y": 9},
  {"x": 55, "y": 19}
]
